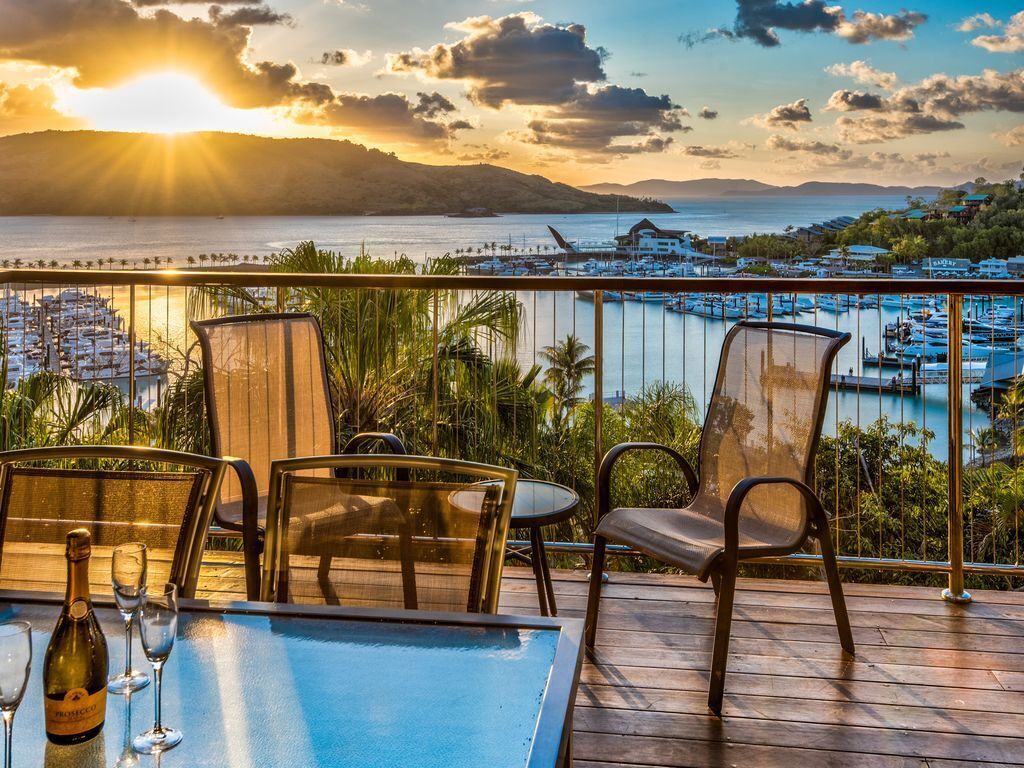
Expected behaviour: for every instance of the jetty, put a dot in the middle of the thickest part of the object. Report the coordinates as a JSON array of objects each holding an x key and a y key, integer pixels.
[{"x": 892, "y": 385}]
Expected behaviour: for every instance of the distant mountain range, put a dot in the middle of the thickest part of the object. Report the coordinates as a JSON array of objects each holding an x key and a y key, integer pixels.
[
  {"x": 668, "y": 190},
  {"x": 207, "y": 174}
]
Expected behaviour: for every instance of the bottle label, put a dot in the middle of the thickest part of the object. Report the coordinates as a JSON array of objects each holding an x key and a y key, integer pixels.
[{"x": 78, "y": 712}]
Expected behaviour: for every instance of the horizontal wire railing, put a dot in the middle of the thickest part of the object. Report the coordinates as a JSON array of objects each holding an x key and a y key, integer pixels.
[{"x": 462, "y": 364}]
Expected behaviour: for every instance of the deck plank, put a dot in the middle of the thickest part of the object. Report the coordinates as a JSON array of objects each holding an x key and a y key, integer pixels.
[{"x": 932, "y": 685}]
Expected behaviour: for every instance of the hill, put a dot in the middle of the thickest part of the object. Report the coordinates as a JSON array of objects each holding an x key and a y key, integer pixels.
[
  {"x": 690, "y": 188},
  {"x": 136, "y": 174},
  {"x": 663, "y": 188}
]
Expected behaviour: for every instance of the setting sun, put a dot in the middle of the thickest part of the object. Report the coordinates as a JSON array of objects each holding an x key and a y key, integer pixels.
[{"x": 166, "y": 102}]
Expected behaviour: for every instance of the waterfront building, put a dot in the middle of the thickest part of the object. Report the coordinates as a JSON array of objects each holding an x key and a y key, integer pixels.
[
  {"x": 993, "y": 268},
  {"x": 944, "y": 266},
  {"x": 863, "y": 253}
]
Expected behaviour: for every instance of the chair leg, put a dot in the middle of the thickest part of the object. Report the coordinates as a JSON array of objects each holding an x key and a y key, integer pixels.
[
  {"x": 594, "y": 596},
  {"x": 537, "y": 557},
  {"x": 835, "y": 589},
  {"x": 253, "y": 546},
  {"x": 723, "y": 626}
]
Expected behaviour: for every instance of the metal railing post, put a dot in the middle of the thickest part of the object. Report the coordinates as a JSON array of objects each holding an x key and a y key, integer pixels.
[
  {"x": 131, "y": 365},
  {"x": 955, "y": 593},
  {"x": 598, "y": 388},
  {"x": 435, "y": 394}
]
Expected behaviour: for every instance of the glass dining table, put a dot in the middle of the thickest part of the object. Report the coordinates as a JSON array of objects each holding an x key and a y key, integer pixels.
[{"x": 253, "y": 684}]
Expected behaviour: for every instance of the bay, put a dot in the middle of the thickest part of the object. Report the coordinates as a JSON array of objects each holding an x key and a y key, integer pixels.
[{"x": 643, "y": 343}]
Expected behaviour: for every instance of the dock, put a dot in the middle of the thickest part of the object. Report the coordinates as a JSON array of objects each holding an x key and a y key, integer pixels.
[{"x": 892, "y": 385}]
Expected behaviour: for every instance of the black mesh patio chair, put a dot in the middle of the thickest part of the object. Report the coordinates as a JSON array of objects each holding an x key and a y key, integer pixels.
[
  {"x": 753, "y": 495},
  {"x": 267, "y": 398},
  {"x": 46, "y": 492},
  {"x": 410, "y": 532}
]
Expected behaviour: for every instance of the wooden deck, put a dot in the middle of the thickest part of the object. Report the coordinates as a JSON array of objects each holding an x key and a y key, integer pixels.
[{"x": 933, "y": 685}]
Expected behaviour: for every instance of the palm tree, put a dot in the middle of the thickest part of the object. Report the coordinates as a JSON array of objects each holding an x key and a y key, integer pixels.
[
  {"x": 124, "y": 263},
  {"x": 568, "y": 364},
  {"x": 382, "y": 356}
]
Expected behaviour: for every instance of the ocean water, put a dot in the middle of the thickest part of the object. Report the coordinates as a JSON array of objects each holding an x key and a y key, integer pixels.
[
  {"x": 31, "y": 238},
  {"x": 643, "y": 343}
]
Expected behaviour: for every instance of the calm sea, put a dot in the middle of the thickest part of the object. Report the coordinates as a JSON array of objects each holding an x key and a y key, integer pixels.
[
  {"x": 31, "y": 238},
  {"x": 643, "y": 343}
]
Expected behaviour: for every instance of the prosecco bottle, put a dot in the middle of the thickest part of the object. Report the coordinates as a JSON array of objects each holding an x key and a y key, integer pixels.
[{"x": 75, "y": 667}]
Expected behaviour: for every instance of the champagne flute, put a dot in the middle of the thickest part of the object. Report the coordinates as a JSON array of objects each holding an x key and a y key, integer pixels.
[
  {"x": 128, "y": 577},
  {"x": 158, "y": 624},
  {"x": 15, "y": 665}
]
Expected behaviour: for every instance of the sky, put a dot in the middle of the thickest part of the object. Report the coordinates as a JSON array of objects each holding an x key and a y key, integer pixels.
[{"x": 883, "y": 91}]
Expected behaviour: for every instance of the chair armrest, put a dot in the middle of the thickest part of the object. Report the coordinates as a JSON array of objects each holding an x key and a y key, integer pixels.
[
  {"x": 251, "y": 533},
  {"x": 355, "y": 444},
  {"x": 746, "y": 485},
  {"x": 604, "y": 473}
]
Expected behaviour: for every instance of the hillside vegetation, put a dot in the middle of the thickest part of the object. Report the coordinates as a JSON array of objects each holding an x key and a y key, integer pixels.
[{"x": 135, "y": 174}]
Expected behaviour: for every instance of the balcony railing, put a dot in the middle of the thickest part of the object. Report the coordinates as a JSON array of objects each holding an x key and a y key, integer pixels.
[{"x": 456, "y": 364}]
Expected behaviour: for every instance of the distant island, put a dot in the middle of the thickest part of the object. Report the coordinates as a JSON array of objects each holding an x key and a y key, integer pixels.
[
  {"x": 664, "y": 188},
  {"x": 95, "y": 173}
]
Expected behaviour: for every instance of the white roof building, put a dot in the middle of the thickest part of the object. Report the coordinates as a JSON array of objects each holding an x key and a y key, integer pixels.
[{"x": 857, "y": 253}]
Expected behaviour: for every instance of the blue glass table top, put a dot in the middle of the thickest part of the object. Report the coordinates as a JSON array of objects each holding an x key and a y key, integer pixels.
[{"x": 270, "y": 690}]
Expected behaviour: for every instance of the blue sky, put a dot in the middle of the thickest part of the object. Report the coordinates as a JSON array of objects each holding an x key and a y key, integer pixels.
[{"x": 890, "y": 92}]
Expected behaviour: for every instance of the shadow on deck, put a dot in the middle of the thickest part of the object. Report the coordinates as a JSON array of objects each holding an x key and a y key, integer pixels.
[{"x": 932, "y": 684}]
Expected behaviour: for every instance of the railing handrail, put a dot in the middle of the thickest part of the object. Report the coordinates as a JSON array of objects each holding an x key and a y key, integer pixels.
[{"x": 778, "y": 285}]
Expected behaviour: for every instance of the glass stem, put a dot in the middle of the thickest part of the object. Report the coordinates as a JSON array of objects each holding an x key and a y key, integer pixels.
[
  {"x": 158, "y": 670},
  {"x": 128, "y": 646},
  {"x": 8, "y": 728}
]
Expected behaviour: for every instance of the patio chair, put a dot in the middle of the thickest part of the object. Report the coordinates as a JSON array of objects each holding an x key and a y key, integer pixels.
[
  {"x": 46, "y": 492},
  {"x": 753, "y": 496},
  {"x": 410, "y": 532},
  {"x": 267, "y": 398}
]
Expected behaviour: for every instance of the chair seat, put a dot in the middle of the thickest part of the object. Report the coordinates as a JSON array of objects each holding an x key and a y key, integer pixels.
[{"x": 688, "y": 538}]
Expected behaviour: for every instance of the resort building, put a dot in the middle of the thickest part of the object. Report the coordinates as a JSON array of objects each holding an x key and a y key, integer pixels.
[
  {"x": 944, "y": 266},
  {"x": 1015, "y": 266},
  {"x": 863, "y": 253},
  {"x": 993, "y": 268}
]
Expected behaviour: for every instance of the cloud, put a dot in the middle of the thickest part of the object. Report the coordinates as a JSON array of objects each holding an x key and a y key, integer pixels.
[
  {"x": 784, "y": 116},
  {"x": 871, "y": 130},
  {"x": 515, "y": 59},
  {"x": 481, "y": 153},
  {"x": 708, "y": 113},
  {"x": 977, "y": 21},
  {"x": 1012, "y": 39},
  {"x": 760, "y": 20},
  {"x": 340, "y": 57},
  {"x": 710, "y": 165},
  {"x": 1011, "y": 138},
  {"x": 864, "y": 73},
  {"x": 864, "y": 27},
  {"x": 249, "y": 16},
  {"x": 851, "y": 101},
  {"x": 388, "y": 117},
  {"x": 788, "y": 144},
  {"x": 593, "y": 120},
  {"x": 930, "y": 159},
  {"x": 25, "y": 108},
  {"x": 724, "y": 153},
  {"x": 153, "y": 3},
  {"x": 933, "y": 105},
  {"x": 106, "y": 42},
  {"x": 552, "y": 72}
]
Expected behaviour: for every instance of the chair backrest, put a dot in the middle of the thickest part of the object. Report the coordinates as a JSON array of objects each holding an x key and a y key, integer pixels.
[
  {"x": 387, "y": 531},
  {"x": 46, "y": 492},
  {"x": 765, "y": 418},
  {"x": 267, "y": 395}
]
